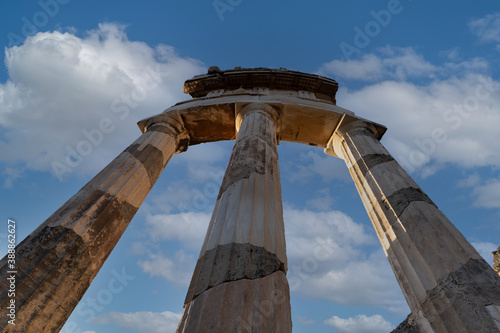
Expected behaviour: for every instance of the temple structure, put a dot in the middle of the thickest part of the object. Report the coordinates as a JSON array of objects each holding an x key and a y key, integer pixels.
[{"x": 239, "y": 283}]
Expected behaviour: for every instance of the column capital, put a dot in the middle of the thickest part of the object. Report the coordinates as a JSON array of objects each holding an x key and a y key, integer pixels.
[
  {"x": 272, "y": 111},
  {"x": 173, "y": 125},
  {"x": 350, "y": 124}
]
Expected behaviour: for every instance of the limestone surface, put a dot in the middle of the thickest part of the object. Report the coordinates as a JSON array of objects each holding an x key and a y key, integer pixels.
[
  {"x": 447, "y": 284},
  {"x": 57, "y": 262},
  {"x": 239, "y": 283},
  {"x": 409, "y": 325},
  {"x": 242, "y": 263}
]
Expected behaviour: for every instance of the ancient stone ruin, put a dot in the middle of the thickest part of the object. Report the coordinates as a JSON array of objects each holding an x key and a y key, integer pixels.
[
  {"x": 496, "y": 260},
  {"x": 408, "y": 325},
  {"x": 241, "y": 270}
]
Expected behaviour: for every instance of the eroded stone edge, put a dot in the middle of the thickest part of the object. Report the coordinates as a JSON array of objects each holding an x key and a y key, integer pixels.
[{"x": 232, "y": 262}]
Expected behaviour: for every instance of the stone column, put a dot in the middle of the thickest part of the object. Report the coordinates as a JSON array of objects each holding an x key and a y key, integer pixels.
[
  {"x": 447, "y": 284},
  {"x": 239, "y": 282},
  {"x": 57, "y": 262}
]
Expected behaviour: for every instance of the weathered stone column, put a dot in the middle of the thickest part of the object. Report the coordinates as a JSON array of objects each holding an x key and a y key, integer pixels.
[
  {"x": 447, "y": 284},
  {"x": 57, "y": 262},
  {"x": 239, "y": 282}
]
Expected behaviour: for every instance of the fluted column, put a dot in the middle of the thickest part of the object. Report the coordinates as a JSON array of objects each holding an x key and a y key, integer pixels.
[
  {"x": 239, "y": 282},
  {"x": 447, "y": 284},
  {"x": 57, "y": 262}
]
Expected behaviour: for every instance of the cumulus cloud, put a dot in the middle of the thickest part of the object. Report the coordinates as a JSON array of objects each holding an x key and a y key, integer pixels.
[
  {"x": 322, "y": 201},
  {"x": 360, "y": 323},
  {"x": 10, "y": 175},
  {"x": 452, "y": 54},
  {"x": 143, "y": 322},
  {"x": 76, "y": 100},
  {"x": 334, "y": 258},
  {"x": 447, "y": 121},
  {"x": 177, "y": 270},
  {"x": 189, "y": 228},
  {"x": 390, "y": 62},
  {"x": 487, "y": 194},
  {"x": 369, "y": 67},
  {"x": 400, "y": 64},
  {"x": 139, "y": 248},
  {"x": 368, "y": 282},
  {"x": 471, "y": 181},
  {"x": 487, "y": 28},
  {"x": 304, "y": 228},
  {"x": 179, "y": 197}
]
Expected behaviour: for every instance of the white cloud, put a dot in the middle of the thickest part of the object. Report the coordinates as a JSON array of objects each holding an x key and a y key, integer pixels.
[
  {"x": 370, "y": 67},
  {"x": 11, "y": 174},
  {"x": 487, "y": 28},
  {"x": 446, "y": 121},
  {"x": 471, "y": 181},
  {"x": 200, "y": 188},
  {"x": 204, "y": 173},
  {"x": 207, "y": 153},
  {"x": 400, "y": 64},
  {"x": 322, "y": 201},
  {"x": 61, "y": 85},
  {"x": 361, "y": 323},
  {"x": 177, "y": 270},
  {"x": 390, "y": 62},
  {"x": 366, "y": 282},
  {"x": 488, "y": 194},
  {"x": 476, "y": 64},
  {"x": 188, "y": 228},
  {"x": 485, "y": 193},
  {"x": 178, "y": 197},
  {"x": 139, "y": 248},
  {"x": 312, "y": 163},
  {"x": 304, "y": 228},
  {"x": 452, "y": 54},
  {"x": 331, "y": 257},
  {"x": 143, "y": 322}
]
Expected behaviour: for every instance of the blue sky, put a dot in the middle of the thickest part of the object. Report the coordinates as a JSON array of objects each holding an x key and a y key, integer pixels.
[{"x": 429, "y": 71}]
